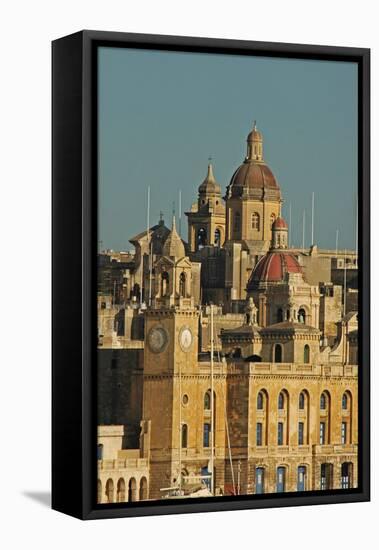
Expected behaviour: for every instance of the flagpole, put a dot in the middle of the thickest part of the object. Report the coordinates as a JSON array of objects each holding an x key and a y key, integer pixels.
[
  {"x": 148, "y": 241},
  {"x": 180, "y": 212},
  {"x": 303, "y": 229},
  {"x": 313, "y": 214},
  {"x": 337, "y": 234}
]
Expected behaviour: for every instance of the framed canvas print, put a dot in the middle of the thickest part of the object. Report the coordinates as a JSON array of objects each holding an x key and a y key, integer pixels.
[{"x": 210, "y": 275}]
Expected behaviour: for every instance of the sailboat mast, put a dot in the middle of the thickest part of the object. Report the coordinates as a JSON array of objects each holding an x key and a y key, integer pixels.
[
  {"x": 212, "y": 405},
  {"x": 148, "y": 297},
  {"x": 180, "y": 428},
  {"x": 344, "y": 286}
]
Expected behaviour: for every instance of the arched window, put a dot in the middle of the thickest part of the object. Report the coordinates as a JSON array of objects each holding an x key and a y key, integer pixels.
[
  {"x": 281, "y": 400},
  {"x": 259, "y": 480},
  {"x": 217, "y": 237},
  {"x": 260, "y": 399},
  {"x": 165, "y": 279},
  {"x": 346, "y": 475},
  {"x": 345, "y": 401},
  {"x": 99, "y": 491},
  {"x": 280, "y": 479},
  {"x": 109, "y": 490},
  {"x": 306, "y": 354},
  {"x": 323, "y": 401},
  {"x": 272, "y": 219},
  {"x": 132, "y": 490},
  {"x": 279, "y": 315},
  {"x": 143, "y": 489},
  {"x": 184, "y": 436},
  {"x": 182, "y": 285},
  {"x": 301, "y": 478},
  {"x": 207, "y": 401},
  {"x": 301, "y": 315},
  {"x": 201, "y": 237},
  {"x": 255, "y": 221},
  {"x": 121, "y": 490},
  {"x": 301, "y": 401},
  {"x": 277, "y": 353}
]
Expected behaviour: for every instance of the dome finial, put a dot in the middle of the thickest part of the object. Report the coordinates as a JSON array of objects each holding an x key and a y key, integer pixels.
[{"x": 254, "y": 125}]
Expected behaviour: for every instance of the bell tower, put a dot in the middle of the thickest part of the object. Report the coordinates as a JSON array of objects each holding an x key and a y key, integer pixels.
[{"x": 206, "y": 220}]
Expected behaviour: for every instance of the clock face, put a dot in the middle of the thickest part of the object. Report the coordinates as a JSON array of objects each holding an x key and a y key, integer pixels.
[
  {"x": 157, "y": 339},
  {"x": 185, "y": 339}
]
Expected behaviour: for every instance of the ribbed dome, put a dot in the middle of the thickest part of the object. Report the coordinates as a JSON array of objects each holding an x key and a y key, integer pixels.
[
  {"x": 173, "y": 245},
  {"x": 253, "y": 176},
  {"x": 209, "y": 185},
  {"x": 280, "y": 223},
  {"x": 273, "y": 268}
]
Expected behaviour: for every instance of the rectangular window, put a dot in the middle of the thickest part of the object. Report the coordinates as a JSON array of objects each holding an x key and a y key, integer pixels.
[
  {"x": 343, "y": 433},
  {"x": 280, "y": 433},
  {"x": 259, "y": 434},
  {"x": 301, "y": 433},
  {"x": 206, "y": 435},
  {"x": 322, "y": 433}
]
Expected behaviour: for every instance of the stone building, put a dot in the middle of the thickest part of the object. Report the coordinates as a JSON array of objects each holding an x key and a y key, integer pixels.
[
  {"x": 123, "y": 474},
  {"x": 275, "y": 408}
]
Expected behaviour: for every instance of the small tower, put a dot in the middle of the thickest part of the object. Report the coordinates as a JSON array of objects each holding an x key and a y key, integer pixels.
[
  {"x": 206, "y": 220},
  {"x": 254, "y": 145},
  {"x": 173, "y": 274},
  {"x": 279, "y": 234}
]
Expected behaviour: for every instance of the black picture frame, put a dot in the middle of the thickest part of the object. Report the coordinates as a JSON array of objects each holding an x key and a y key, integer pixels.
[{"x": 74, "y": 206}]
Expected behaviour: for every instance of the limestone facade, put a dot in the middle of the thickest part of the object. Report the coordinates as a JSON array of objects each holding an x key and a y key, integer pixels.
[{"x": 283, "y": 380}]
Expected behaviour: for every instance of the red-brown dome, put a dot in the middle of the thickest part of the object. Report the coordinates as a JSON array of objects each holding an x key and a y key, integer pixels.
[
  {"x": 273, "y": 268},
  {"x": 280, "y": 223},
  {"x": 254, "y": 176}
]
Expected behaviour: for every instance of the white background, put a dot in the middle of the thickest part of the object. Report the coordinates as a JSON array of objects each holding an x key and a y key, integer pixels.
[{"x": 26, "y": 31}]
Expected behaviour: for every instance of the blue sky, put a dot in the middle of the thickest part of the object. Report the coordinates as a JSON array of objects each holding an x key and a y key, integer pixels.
[{"x": 162, "y": 114}]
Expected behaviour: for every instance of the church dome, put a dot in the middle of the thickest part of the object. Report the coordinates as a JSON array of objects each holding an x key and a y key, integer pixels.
[
  {"x": 254, "y": 178},
  {"x": 173, "y": 246},
  {"x": 273, "y": 268}
]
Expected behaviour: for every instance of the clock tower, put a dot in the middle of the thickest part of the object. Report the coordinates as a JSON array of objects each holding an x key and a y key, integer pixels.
[{"x": 170, "y": 361}]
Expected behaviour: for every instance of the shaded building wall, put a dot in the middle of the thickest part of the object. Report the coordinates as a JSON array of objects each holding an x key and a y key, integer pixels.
[
  {"x": 119, "y": 391},
  {"x": 330, "y": 310},
  {"x": 338, "y": 276}
]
